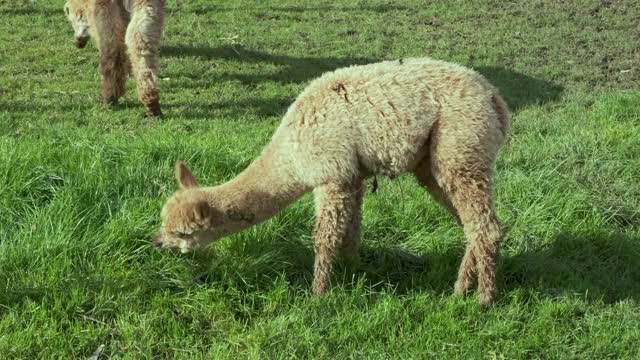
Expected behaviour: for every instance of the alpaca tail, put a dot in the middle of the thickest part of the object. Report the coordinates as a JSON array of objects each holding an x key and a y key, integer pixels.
[{"x": 502, "y": 110}]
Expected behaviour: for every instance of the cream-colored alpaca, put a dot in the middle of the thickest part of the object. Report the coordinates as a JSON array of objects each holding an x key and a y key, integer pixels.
[
  {"x": 442, "y": 122},
  {"x": 127, "y": 34}
]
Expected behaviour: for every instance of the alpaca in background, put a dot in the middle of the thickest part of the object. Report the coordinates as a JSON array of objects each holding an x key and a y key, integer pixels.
[{"x": 127, "y": 34}]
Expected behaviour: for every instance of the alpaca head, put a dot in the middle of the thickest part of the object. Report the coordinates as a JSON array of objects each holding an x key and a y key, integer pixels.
[
  {"x": 189, "y": 221},
  {"x": 79, "y": 18}
]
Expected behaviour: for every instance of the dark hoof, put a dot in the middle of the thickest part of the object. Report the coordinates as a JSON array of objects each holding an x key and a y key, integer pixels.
[
  {"x": 80, "y": 42},
  {"x": 486, "y": 301},
  {"x": 153, "y": 109},
  {"x": 111, "y": 101},
  {"x": 156, "y": 113}
]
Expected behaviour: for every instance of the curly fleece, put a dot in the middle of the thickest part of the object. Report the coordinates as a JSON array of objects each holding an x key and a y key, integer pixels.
[{"x": 441, "y": 122}]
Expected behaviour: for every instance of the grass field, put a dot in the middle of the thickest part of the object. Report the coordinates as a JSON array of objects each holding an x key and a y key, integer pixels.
[{"x": 81, "y": 186}]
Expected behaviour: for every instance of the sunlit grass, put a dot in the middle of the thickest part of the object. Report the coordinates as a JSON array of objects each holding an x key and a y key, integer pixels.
[{"x": 81, "y": 186}]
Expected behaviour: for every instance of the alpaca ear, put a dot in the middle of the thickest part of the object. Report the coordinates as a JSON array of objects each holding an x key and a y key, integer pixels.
[{"x": 184, "y": 176}]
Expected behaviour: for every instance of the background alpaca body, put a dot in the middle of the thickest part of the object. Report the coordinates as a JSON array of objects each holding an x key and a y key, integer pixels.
[
  {"x": 440, "y": 121},
  {"x": 127, "y": 34}
]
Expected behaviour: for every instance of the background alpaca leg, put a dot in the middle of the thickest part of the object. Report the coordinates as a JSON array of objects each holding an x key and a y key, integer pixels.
[
  {"x": 335, "y": 209},
  {"x": 113, "y": 63},
  {"x": 143, "y": 43}
]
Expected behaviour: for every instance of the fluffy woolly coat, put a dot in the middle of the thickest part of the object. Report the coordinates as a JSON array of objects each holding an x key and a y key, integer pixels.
[
  {"x": 439, "y": 121},
  {"x": 127, "y": 34}
]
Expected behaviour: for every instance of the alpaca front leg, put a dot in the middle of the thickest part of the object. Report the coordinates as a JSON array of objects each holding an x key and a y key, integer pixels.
[
  {"x": 143, "y": 43},
  {"x": 113, "y": 63},
  {"x": 335, "y": 208}
]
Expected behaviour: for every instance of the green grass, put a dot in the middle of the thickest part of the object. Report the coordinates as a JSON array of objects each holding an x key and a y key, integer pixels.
[{"x": 81, "y": 186}]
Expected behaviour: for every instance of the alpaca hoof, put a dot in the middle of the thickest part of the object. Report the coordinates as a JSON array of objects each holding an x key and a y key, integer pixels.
[
  {"x": 319, "y": 289},
  {"x": 153, "y": 113},
  {"x": 486, "y": 300},
  {"x": 110, "y": 100},
  {"x": 461, "y": 289},
  {"x": 153, "y": 110}
]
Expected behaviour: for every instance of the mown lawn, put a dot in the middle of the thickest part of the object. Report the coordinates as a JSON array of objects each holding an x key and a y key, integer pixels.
[{"x": 81, "y": 186}]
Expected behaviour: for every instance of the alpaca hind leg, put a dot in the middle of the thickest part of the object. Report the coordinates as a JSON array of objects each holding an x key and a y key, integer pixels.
[
  {"x": 463, "y": 146},
  {"x": 425, "y": 177},
  {"x": 467, "y": 271},
  {"x": 143, "y": 44},
  {"x": 335, "y": 212},
  {"x": 471, "y": 196},
  {"x": 113, "y": 64}
]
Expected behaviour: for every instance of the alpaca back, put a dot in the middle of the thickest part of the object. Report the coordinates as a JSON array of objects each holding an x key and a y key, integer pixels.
[{"x": 377, "y": 118}]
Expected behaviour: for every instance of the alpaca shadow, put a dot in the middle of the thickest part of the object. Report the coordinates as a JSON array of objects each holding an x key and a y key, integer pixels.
[
  {"x": 31, "y": 11},
  {"x": 231, "y": 110},
  {"x": 600, "y": 267},
  {"x": 9, "y": 297},
  {"x": 595, "y": 268},
  {"x": 378, "y": 8},
  {"x": 291, "y": 69},
  {"x": 519, "y": 90}
]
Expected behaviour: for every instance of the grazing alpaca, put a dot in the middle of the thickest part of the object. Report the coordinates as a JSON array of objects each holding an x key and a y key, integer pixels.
[
  {"x": 122, "y": 27},
  {"x": 442, "y": 122}
]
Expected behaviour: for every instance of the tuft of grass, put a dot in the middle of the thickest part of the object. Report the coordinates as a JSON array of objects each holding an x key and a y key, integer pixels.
[{"x": 81, "y": 186}]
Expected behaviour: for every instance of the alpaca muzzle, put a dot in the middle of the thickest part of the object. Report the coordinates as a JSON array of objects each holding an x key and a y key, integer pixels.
[{"x": 157, "y": 240}]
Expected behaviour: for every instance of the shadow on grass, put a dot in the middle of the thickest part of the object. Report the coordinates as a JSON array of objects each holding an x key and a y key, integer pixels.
[
  {"x": 296, "y": 70},
  {"x": 519, "y": 90},
  {"x": 292, "y": 69},
  {"x": 232, "y": 110},
  {"x": 381, "y": 8},
  {"x": 11, "y": 296},
  {"x": 597, "y": 268},
  {"x": 32, "y": 11}
]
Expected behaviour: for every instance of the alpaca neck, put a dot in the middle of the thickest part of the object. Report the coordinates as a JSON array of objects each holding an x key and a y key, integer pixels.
[{"x": 263, "y": 189}]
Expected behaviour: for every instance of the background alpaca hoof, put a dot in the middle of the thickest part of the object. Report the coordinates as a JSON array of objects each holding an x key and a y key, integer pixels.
[
  {"x": 486, "y": 300},
  {"x": 110, "y": 100},
  {"x": 461, "y": 289},
  {"x": 155, "y": 113},
  {"x": 319, "y": 289},
  {"x": 459, "y": 293},
  {"x": 153, "y": 110}
]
